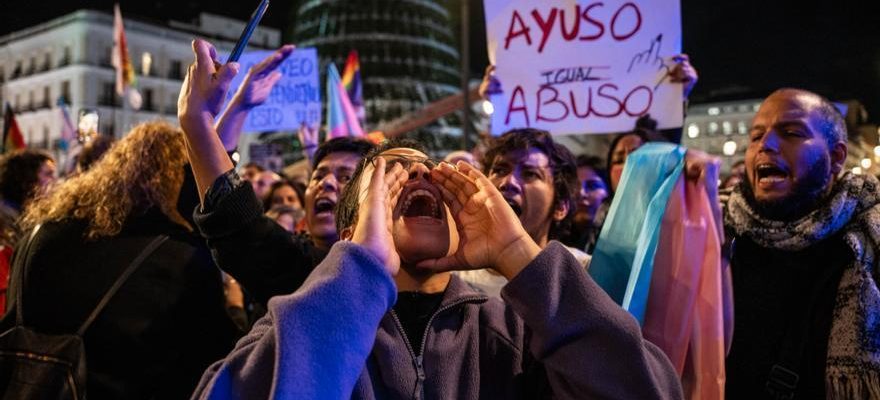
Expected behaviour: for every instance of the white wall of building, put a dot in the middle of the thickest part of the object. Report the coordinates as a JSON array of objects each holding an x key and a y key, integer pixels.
[{"x": 71, "y": 55}]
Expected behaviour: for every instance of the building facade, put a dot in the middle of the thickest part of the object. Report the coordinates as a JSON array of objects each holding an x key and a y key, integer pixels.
[
  {"x": 407, "y": 53},
  {"x": 720, "y": 129},
  {"x": 70, "y": 58}
]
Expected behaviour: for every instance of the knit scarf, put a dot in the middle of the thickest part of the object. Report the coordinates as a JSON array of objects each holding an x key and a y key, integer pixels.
[{"x": 853, "y": 362}]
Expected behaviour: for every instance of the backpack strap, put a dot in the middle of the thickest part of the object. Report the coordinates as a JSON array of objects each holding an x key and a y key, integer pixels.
[
  {"x": 121, "y": 280},
  {"x": 19, "y": 317}
]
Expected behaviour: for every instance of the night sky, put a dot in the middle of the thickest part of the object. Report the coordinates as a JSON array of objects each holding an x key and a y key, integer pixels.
[{"x": 742, "y": 49}]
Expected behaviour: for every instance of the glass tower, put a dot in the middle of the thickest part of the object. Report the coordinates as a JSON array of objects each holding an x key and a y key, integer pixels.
[{"x": 407, "y": 55}]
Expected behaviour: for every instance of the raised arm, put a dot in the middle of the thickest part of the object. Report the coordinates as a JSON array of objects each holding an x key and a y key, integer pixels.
[
  {"x": 200, "y": 100},
  {"x": 339, "y": 307},
  {"x": 264, "y": 258}
]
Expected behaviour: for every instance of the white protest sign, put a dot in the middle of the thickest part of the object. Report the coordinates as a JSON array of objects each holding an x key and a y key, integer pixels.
[
  {"x": 295, "y": 98},
  {"x": 574, "y": 67}
]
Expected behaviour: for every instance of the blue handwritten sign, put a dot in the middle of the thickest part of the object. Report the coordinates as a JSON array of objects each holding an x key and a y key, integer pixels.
[{"x": 295, "y": 99}]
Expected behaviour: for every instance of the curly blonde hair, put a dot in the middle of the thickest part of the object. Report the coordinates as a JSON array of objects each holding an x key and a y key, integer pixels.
[{"x": 141, "y": 171}]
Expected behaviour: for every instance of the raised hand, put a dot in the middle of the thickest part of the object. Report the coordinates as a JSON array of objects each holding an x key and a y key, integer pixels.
[
  {"x": 684, "y": 73},
  {"x": 260, "y": 79},
  {"x": 490, "y": 84},
  {"x": 490, "y": 234},
  {"x": 201, "y": 98},
  {"x": 703, "y": 168},
  {"x": 308, "y": 137},
  {"x": 254, "y": 90},
  {"x": 373, "y": 229},
  {"x": 205, "y": 86}
]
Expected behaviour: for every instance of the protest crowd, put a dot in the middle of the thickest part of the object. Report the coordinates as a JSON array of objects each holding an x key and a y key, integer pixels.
[{"x": 517, "y": 271}]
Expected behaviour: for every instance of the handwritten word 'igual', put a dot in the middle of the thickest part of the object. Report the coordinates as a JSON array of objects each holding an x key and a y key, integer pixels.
[
  {"x": 625, "y": 22},
  {"x": 571, "y": 74},
  {"x": 605, "y": 101}
]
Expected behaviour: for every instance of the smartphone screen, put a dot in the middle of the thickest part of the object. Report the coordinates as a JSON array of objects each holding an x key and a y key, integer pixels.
[{"x": 87, "y": 126}]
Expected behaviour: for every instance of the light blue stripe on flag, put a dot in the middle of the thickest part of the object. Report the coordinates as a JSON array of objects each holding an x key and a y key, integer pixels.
[{"x": 624, "y": 256}]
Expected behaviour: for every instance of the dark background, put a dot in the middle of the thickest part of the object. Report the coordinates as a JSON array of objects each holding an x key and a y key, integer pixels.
[{"x": 742, "y": 49}]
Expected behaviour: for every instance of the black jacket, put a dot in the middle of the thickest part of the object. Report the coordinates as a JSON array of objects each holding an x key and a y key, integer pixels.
[
  {"x": 161, "y": 330},
  {"x": 784, "y": 302},
  {"x": 265, "y": 259}
]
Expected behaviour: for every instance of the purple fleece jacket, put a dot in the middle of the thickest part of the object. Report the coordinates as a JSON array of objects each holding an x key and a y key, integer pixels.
[
  {"x": 311, "y": 344},
  {"x": 557, "y": 335}
]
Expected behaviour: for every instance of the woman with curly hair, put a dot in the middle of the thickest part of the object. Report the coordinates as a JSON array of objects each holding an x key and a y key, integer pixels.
[{"x": 168, "y": 321}]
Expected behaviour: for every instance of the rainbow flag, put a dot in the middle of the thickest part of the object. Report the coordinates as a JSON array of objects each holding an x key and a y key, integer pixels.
[
  {"x": 12, "y": 137},
  {"x": 351, "y": 79},
  {"x": 341, "y": 118}
]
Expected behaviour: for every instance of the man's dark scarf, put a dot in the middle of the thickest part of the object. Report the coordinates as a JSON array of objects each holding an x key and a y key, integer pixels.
[{"x": 853, "y": 207}]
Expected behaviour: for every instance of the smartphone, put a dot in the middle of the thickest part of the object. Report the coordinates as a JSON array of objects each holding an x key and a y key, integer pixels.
[
  {"x": 87, "y": 125},
  {"x": 248, "y": 31}
]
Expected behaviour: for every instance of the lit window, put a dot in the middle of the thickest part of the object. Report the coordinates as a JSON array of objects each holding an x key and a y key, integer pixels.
[
  {"x": 727, "y": 127},
  {"x": 729, "y": 148},
  {"x": 146, "y": 63},
  {"x": 714, "y": 111},
  {"x": 713, "y": 128},
  {"x": 487, "y": 107},
  {"x": 693, "y": 131},
  {"x": 742, "y": 128}
]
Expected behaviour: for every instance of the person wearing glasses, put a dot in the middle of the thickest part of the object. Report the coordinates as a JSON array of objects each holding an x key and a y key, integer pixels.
[{"x": 405, "y": 222}]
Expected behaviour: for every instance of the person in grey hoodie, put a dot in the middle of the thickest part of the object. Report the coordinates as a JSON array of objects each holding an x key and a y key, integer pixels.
[{"x": 556, "y": 335}]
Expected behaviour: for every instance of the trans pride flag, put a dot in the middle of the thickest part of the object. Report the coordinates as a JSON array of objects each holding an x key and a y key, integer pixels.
[
  {"x": 341, "y": 117},
  {"x": 659, "y": 257}
]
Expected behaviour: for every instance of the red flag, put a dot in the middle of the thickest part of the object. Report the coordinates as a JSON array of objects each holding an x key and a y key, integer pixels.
[
  {"x": 12, "y": 137},
  {"x": 124, "y": 70}
]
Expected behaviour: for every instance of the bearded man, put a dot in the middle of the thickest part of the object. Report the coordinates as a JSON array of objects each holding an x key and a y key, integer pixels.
[{"x": 807, "y": 306}]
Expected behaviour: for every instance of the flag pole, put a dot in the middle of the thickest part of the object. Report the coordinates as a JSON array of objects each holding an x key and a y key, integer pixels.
[{"x": 6, "y": 110}]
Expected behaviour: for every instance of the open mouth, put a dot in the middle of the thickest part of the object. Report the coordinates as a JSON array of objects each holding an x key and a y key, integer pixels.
[
  {"x": 324, "y": 205},
  {"x": 420, "y": 203},
  {"x": 770, "y": 173},
  {"x": 517, "y": 209}
]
